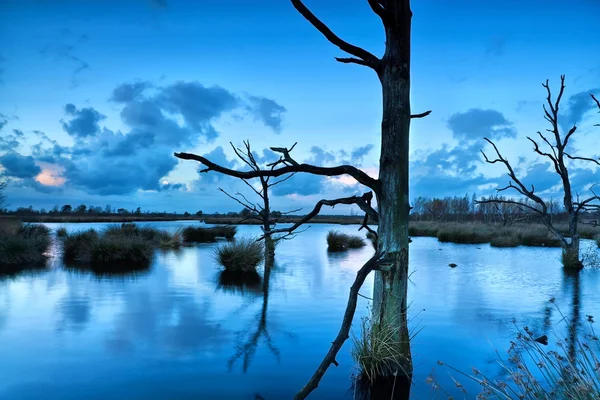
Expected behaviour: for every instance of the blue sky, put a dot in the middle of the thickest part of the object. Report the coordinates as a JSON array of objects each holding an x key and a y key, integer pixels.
[{"x": 96, "y": 96}]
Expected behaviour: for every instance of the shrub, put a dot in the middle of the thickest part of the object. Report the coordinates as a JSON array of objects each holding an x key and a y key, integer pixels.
[
  {"x": 338, "y": 241},
  {"x": 61, "y": 232},
  {"x": 23, "y": 246},
  {"x": 241, "y": 255},
  {"x": 226, "y": 231}
]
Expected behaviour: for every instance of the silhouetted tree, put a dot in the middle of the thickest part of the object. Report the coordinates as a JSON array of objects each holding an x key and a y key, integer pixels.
[
  {"x": 557, "y": 153},
  {"x": 66, "y": 209},
  {"x": 390, "y": 189}
]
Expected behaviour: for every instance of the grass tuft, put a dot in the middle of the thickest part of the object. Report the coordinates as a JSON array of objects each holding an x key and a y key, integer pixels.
[
  {"x": 597, "y": 239},
  {"x": 338, "y": 241},
  {"x": 241, "y": 256},
  {"x": 375, "y": 350},
  {"x": 61, "y": 232},
  {"x": 208, "y": 235}
]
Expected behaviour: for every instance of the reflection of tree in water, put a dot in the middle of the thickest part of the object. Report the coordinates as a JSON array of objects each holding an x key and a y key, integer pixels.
[
  {"x": 572, "y": 279},
  {"x": 246, "y": 347}
]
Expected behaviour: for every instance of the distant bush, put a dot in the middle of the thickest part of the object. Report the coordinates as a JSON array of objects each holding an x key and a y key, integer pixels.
[
  {"x": 465, "y": 233},
  {"x": 423, "y": 229},
  {"x": 509, "y": 240},
  {"x": 22, "y": 246},
  {"x": 242, "y": 255},
  {"x": 338, "y": 241},
  {"x": 155, "y": 237},
  {"x": 208, "y": 235},
  {"x": 61, "y": 232}
]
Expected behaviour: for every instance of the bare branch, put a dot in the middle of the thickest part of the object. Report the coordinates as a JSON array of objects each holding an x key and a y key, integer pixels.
[
  {"x": 582, "y": 158},
  {"x": 344, "y": 331},
  {"x": 354, "y": 172},
  {"x": 509, "y": 201},
  {"x": 522, "y": 189},
  {"x": 422, "y": 115},
  {"x": 356, "y": 51},
  {"x": 247, "y": 205},
  {"x": 380, "y": 10},
  {"x": 536, "y": 148},
  {"x": 352, "y": 60},
  {"x": 362, "y": 201}
]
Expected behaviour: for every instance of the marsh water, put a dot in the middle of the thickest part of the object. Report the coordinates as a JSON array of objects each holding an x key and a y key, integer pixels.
[{"x": 177, "y": 331}]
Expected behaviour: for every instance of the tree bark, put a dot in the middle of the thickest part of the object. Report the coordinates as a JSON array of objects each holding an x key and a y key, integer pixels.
[{"x": 390, "y": 287}]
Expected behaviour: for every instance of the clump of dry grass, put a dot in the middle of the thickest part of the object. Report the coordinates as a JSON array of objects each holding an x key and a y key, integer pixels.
[
  {"x": 241, "y": 256},
  {"x": 338, "y": 241},
  {"x": 22, "y": 246}
]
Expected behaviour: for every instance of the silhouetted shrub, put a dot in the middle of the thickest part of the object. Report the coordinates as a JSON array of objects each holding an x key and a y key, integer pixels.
[
  {"x": 22, "y": 246},
  {"x": 338, "y": 241}
]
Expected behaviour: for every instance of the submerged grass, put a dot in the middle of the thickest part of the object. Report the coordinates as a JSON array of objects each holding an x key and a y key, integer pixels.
[
  {"x": 240, "y": 256},
  {"x": 338, "y": 241},
  {"x": 22, "y": 246},
  {"x": 568, "y": 370}
]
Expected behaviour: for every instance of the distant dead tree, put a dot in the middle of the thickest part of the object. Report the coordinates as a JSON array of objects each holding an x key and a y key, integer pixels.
[
  {"x": 557, "y": 153},
  {"x": 261, "y": 211},
  {"x": 391, "y": 188}
]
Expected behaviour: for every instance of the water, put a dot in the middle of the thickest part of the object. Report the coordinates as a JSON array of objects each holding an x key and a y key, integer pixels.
[{"x": 173, "y": 332}]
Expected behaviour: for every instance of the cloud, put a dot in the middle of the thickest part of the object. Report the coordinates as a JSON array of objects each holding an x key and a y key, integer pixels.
[
  {"x": 300, "y": 184},
  {"x": 578, "y": 105},
  {"x": 268, "y": 111},
  {"x": 85, "y": 122},
  {"x": 128, "y": 92},
  {"x": 159, "y": 3},
  {"x": 357, "y": 155},
  {"x": 16, "y": 165},
  {"x": 477, "y": 123},
  {"x": 173, "y": 186}
]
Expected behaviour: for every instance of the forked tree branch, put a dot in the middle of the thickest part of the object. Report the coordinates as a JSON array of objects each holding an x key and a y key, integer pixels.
[
  {"x": 367, "y": 58},
  {"x": 344, "y": 332},
  {"x": 362, "y": 201},
  {"x": 290, "y": 166}
]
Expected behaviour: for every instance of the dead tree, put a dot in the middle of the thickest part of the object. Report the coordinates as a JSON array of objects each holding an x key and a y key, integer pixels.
[
  {"x": 261, "y": 212},
  {"x": 390, "y": 188},
  {"x": 557, "y": 153}
]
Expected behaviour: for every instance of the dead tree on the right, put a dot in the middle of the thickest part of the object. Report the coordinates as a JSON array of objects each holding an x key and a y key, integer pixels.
[{"x": 556, "y": 151}]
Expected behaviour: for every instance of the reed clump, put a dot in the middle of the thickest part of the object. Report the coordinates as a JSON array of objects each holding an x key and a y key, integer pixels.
[
  {"x": 338, "y": 241},
  {"x": 22, "y": 246},
  {"x": 240, "y": 256},
  {"x": 193, "y": 234}
]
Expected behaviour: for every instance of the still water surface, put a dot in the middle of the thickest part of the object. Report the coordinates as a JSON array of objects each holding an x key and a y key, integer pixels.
[{"x": 175, "y": 332}]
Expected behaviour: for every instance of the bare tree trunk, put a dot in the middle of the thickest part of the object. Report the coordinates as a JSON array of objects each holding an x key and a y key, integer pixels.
[{"x": 390, "y": 288}]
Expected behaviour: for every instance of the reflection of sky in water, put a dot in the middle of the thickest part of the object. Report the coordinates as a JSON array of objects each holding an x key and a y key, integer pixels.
[{"x": 172, "y": 332}]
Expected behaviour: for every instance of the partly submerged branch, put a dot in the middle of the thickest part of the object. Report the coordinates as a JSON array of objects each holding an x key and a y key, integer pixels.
[{"x": 344, "y": 332}]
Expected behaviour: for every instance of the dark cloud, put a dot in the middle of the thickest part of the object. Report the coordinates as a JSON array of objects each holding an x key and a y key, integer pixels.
[
  {"x": 578, "y": 105},
  {"x": 85, "y": 122},
  {"x": 198, "y": 104},
  {"x": 18, "y": 133},
  {"x": 173, "y": 186},
  {"x": 321, "y": 157},
  {"x": 128, "y": 92},
  {"x": 268, "y": 111},
  {"x": 477, "y": 123},
  {"x": 9, "y": 143},
  {"x": 2, "y": 122},
  {"x": 359, "y": 153},
  {"x": 16, "y": 165}
]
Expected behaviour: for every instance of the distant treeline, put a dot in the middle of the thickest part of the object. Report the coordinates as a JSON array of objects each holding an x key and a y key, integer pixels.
[
  {"x": 448, "y": 209},
  {"x": 469, "y": 209}
]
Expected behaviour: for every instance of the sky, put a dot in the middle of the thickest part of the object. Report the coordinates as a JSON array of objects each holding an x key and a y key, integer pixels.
[{"x": 96, "y": 96}]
